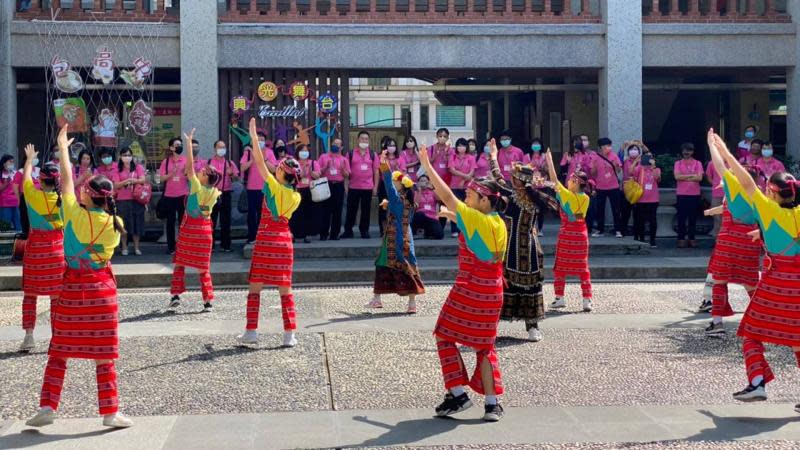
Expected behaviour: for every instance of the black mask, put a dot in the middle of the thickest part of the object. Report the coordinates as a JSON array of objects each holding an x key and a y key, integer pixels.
[
  {"x": 280, "y": 149},
  {"x": 179, "y": 150}
]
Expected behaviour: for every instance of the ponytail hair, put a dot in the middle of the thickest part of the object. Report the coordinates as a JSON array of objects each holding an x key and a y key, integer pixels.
[
  {"x": 50, "y": 176},
  {"x": 587, "y": 186},
  {"x": 101, "y": 191},
  {"x": 214, "y": 176},
  {"x": 786, "y": 186},
  {"x": 489, "y": 188}
]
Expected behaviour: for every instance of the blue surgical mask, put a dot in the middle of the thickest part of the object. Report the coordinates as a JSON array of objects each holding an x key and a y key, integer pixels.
[
  {"x": 767, "y": 152},
  {"x": 536, "y": 147},
  {"x": 487, "y": 150},
  {"x": 749, "y": 134},
  {"x": 335, "y": 149},
  {"x": 106, "y": 160},
  {"x": 303, "y": 154},
  {"x": 505, "y": 142},
  {"x": 35, "y": 162}
]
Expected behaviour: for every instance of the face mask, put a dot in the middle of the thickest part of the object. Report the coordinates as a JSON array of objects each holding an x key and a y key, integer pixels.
[
  {"x": 767, "y": 153},
  {"x": 127, "y": 159},
  {"x": 221, "y": 151},
  {"x": 10, "y": 167},
  {"x": 687, "y": 155},
  {"x": 391, "y": 149},
  {"x": 422, "y": 184},
  {"x": 106, "y": 160},
  {"x": 633, "y": 153},
  {"x": 505, "y": 142},
  {"x": 461, "y": 149},
  {"x": 487, "y": 150},
  {"x": 749, "y": 134},
  {"x": 35, "y": 161},
  {"x": 536, "y": 147},
  {"x": 179, "y": 150},
  {"x": 363, "y": 145},
  {"x": 410, "y": 145},
  {"x": 262, "y": 144},
  {"x": 471, "y": 147},
  {"x": 335, "y": 149},
  {"x": 303, "y": 154}
]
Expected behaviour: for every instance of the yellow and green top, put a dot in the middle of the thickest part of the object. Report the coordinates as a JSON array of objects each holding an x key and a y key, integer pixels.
[
  {"x": 282, "y": 201},
  {"x": 484, "y": 234},
  {"x": 738, "y": 202},
  {"x": 42, "y": 210},
  {"x": 201, "y": 199},
  {"x": 89, "y": 234},
  {"x": 574, "y": 205}
]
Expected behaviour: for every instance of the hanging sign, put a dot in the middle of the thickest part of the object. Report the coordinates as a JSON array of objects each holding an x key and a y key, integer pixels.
[
  {"x": 72, "y": 112},
  {"x": 140, "y": 118},
  {"x": 288, "y": 111},
  {"x": 267, "y": 91},
  {"x": 327, "y": 103},
  {"x": 136, "y": 77},
  {"x": 103, "y": 66},
  {"x": 66, "y": 79},
  {"x": 105, "y": 129},
  {"x": 299, "y": 91},
  {"x": 240, "y": 103}
]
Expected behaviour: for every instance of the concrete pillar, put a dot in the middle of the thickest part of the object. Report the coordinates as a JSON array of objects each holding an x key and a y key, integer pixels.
[
  {"x": 199, "y": 75},
  {"x": 793, "y": 93},
  {"x": 8, "y": 83},
  {"x": 620, "y": 81}
]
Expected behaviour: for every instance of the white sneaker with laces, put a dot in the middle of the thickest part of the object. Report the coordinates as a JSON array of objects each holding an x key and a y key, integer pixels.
[
  {"x": 288, "y": 339},
  {"x": 45, "y": 416},
  {"x": 375, "y": 303},
  {"x": 28, "y": 343},
  {"x": 249, "y": 337},
  {"x": 117, "y": 420},
  {"x": 534, "y": 335},
  {"x": 454, "y": 235},
  {"x": 587, "y": 304},
  {"x": 559, "y": 303}
]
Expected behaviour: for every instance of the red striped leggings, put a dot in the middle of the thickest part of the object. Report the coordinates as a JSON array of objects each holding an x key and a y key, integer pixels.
[
  {"x": 755, "y": 363},
  {"x": 287, "y": 310},
  {"x": 720, "y": 305},
  {"x": 179, "y": 283},
  {"x": 560, "y": 282},
  {"x": 56, "y": 370},
  {"x": 29, "y": 310},
  {"x": 455, "y": 374}
]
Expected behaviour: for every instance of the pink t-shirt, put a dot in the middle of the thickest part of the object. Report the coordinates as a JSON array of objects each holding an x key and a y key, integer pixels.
[
  {"x": 306, "y": 167},
  {"x": 254, "y": 180},
  {"x": 482, "y": 166},
  {"x": 124, "y": 174},
  {"x": 605, "y": 174},
  {"x": 334, "y": 167},
  {"x": 108, "y": 171},
  {"x": 79, "y": 171},
  {"x": 409, "y": 157},
  {"x": 506, "y": 157},
  {"x": 576, "y": 162},
  {"x": 743, "y": 149},
  {"x": 537, "y": 162},
  {"x": 199, "y": 164},
  {"x": 465, "y": 164},
  {"x": 649, "y": 183},
  {"x": 396, "y": 164},
  {"x": 770, "y": 166},
  {"x": 440, "y": 156},
  {"x": 689, "y": 166},
  {"x": 627, "y": 168},
  {"x": 715, "y": 179},
  {"x": 35, "y": 174},
  {"x": 7, "y": 197},
  {"x": 225, "y": 185},
  {"x": 750, "y": 160},
  {"x": 362, "y": 169},
  {"x": 427, "y": 203},
  {"x": 176, "y": 183}
]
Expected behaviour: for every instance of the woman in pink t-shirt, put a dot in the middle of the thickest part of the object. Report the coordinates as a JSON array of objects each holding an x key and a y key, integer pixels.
[
  {"x": 389, "y": 146},
  {"x": 688, "y": 173},
  {"x": 426, "y": 217},
  {"x": 440, "y": 154},
  {"x": 127, "y": 176},
  {"x": 84, "y": 170},
  {"x": 9, "y": 193},
  {"x": 482, "y": 163},
  {"x": 646, "y": 172},
  {"x": 409, "y": 157},
  {"x": 336, "y": 168},
  {"x": 176, "y": 188},
  {"x": 462, "y": 169},
  {"x": 303, "y": 221}
]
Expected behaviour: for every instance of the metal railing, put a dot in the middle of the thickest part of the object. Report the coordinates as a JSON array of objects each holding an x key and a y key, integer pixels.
[
  {"x": 93, "y": 10},
  {"x": 715, "y": 11}
]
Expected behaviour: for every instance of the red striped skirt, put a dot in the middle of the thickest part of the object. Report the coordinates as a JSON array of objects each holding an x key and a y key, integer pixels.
[
  {"x": 195, "y": 239},
  {"x": 273, "y": 253},
  {"x": 472, "y": 310},
  {"x": 43, "y": 263},
  {"x": 572, "y": 248},
  {"x": 736, "y": 258},
  {"x": 85, "y": 317},
  {"x": 773, "y": 314}
]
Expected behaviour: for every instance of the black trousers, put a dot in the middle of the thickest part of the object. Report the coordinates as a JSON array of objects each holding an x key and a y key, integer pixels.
[
  {"x": 625, "y": 213},
  {"x": 330, "y": 212},
  {"x": 254, "y": 199},
  {"x": 303, "y": 221},
  {"x": 645, "y": 213},
  {"x": 358, "y": 199},
  {"x": 614, "y": 196},
  {"x": 687, "y": 213},
  {"x": 25, "y": 223},
  {"x": 176, "y": 206},
  {"x": 591, "y": 215},
  {"x": 460, "y": 194},
  {"x": 431, "y": 227},
  {"x": 382, "y": 213},
  {"x": 221, "y": 213}
]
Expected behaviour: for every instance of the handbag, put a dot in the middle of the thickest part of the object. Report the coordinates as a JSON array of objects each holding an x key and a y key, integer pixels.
[
  {"x": 633, "y": 189},
  {"x": 242, "y": 204},
  {"x": 320, "y": 190},
  {"x": 142, "y": 193}
]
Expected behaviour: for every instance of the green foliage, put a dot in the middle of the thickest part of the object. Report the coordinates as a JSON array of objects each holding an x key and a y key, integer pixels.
[
  {"x": 5, "y": 226},
  {"x": 792, "y": 165},
  {"x": 666, "y": 163}
]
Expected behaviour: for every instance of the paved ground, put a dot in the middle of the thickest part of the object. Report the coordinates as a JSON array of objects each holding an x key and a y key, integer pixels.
[{"x": 637, "y": 373}]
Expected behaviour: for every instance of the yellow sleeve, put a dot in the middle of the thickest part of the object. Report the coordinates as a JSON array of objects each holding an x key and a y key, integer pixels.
[
  {"x": 69, "y": 205},
  {"x": 28, "y": 189},
  {"x": 194, "y": 184}
]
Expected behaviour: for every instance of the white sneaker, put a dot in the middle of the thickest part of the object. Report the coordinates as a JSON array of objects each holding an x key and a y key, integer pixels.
[
  {"x": 28, "y": 343},
  {"x": 375, "y": 303},
  {"x": 249, "y": 337},
  {"x": 412, "y": 306},
  {"x": 117, "y": 420},
  {"x": 137, "y": 252},
  {"x": 125, "y": 252},
  {"x": 288, "y": 339},
  {"x": 587, "y": 304},
  {"x": 45, "y": 416},
  {"x": 559, "y": 303},
  {"x": 619, "y": 235},
  {"x": 540, "y": 233},
  {"x": 454, "y": 235},
  {"x": 534, "y": 335},
  {"x": 596, "y": 234},
  {"x": 174, "y": 303}
]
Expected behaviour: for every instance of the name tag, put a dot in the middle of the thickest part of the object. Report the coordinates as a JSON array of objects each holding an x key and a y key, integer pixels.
[
  {"x": 507, "y": 168},
  {"x": 304, "y": 180},
  {"x": 364, "y": 167},
  {"x": 648, "y": 187},
  {"x": 428, "y": 208},
  {"x": 334, "y": 171},
  {"x": 176, "y": 179}
]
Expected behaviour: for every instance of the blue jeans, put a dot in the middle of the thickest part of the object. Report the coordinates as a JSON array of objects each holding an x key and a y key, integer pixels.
[{"x": 11, "y": 216}]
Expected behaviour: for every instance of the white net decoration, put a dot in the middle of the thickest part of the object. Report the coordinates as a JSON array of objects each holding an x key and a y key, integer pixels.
[{"x": 99, "y": 78}]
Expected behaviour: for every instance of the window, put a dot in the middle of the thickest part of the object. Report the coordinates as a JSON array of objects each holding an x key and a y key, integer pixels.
[
  {"x": 378, "y": 115},
  {"x": 451, "y": 116},
  {"x": 405, "y": 112},
  {"x": 353, "y": 113},
  {"x": 378, "y": 81},
  {"x": 424, "y": 117}
]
